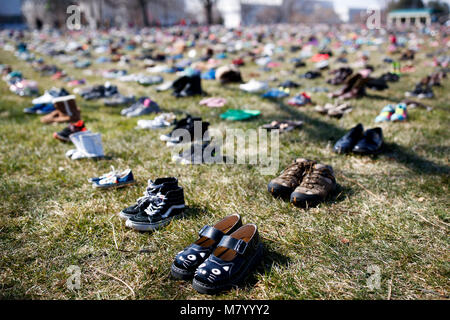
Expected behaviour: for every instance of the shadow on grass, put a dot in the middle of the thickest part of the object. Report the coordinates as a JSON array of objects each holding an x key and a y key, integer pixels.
[
  {"x": 412, "y": 161},
  {"x": 270, "y": 259}
]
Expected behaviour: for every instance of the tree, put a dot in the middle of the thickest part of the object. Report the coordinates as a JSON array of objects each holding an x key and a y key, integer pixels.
[
  {"x": 440, "y": 9},
  {"x": 208, "y": 5},
  {"x": 405, "y": 4}
]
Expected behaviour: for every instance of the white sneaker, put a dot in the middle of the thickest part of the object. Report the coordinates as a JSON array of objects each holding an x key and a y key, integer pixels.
[
  {"x": 165, "y": 86},
  {"x": 89, "y": 145},
  {"x": 161, "y": 121},
  {"x": 254, "y": 86}
]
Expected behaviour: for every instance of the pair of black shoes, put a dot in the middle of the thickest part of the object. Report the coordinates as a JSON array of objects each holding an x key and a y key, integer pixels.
[
  {"x": 221, "y": 258},
  {"x": 163, "y": 201},
  {"x": 187, "y": 130},
  {"x": 359, "y": 141}
]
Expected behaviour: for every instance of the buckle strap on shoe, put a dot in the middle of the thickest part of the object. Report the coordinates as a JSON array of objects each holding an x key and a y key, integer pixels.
[
  {"x": 237, "y": 245},
  {"x": 211, "y": 233}
]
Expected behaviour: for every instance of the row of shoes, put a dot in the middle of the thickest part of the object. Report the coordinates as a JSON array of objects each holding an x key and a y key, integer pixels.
[
  {"x": 221, "y": 258},
  {"x": 113, "y": 179},
  {"x": 163, "y": 200},
  {"x": 305, "y": 182}
]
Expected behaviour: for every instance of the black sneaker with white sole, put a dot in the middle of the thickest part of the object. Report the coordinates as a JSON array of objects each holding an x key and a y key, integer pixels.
[
  {"x": 164, "y": 206},
  {"x": 180, "y": 124},
  {"x": 194, "y": 131},
  {"x": 153, "y": 188}
]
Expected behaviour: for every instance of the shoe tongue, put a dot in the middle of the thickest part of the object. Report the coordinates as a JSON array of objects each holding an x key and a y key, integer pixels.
[{"x": 147, "y": 102}]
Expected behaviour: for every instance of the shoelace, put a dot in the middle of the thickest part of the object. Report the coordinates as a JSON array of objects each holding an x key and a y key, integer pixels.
[
  {"x": 294, "y": 171},
  {"x": 156, "y": 204},
  {"x": 313, "y": 178},
  {"x": 112, "y": 173}
]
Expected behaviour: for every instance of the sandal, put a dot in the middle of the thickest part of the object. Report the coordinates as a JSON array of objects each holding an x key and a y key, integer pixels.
[
  {"x": 187, "y": 261},
  {"x": 231, "y": 262}
]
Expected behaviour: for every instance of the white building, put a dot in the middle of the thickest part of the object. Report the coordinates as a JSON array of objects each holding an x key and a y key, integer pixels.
[{"x": 409, "y": 17}]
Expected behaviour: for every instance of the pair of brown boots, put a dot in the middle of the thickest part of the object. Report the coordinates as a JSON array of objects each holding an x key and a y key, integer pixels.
[
  {"x": 306, "y": 182},
  {"x": 66, "y": 111}
]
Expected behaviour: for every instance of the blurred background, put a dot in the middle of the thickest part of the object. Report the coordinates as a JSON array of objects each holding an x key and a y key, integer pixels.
[{"x": 95, "y": 14}]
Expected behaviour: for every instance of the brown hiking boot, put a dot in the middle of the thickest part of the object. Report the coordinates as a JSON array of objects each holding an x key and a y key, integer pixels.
[
  {"x": 318, "y": 182},
  {"x": 290, "y": 178}
]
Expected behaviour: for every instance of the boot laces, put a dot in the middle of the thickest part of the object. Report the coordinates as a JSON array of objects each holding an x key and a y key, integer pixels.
[
  {"x": 156, "y": 204},
  {"x": 294, "y": 171}
]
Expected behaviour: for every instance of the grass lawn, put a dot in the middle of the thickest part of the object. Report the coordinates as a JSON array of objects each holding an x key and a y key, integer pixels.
[{"x": 390, "y": 212}]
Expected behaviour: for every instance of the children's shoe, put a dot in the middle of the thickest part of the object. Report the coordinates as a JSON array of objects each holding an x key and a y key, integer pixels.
[
  {"x": 116, "y": 181},
  {"x": 165, "y": 206},
  {"x": 400, "y": 113},
  {"x": 276, "y": 93},
  {"x": 160, "y": 185},
  {"x": 300, "y": 100},
  {"x": 161, "y": 121},
  {"x": 106, "y": 175},
  {"x": 64, "y": 134},
  {"x": 385, "y": 114},
  {"x": 231, "y": 262},
  {"x": 188, "y": 260}
]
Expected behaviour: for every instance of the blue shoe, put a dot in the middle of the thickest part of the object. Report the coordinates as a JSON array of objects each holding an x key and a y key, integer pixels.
[
  {"x": 385, "y": 114},
  {"x": 34, "y": 108},
  {"x": 209, "y": 75},
  {"x": 276, "y": 93},
  {"x": 47, "y": 108},
  {"x": 126, "y": 178}
]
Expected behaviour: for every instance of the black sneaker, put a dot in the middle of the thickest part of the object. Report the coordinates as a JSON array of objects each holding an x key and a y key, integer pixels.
[
  {"x": 154, "y": 187},
  {"x": 164, "y": 206},
  {"x": 180, "y": 124},
  {"x": 64, "y": 134},
  {"x": 196, "y": 132}
]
